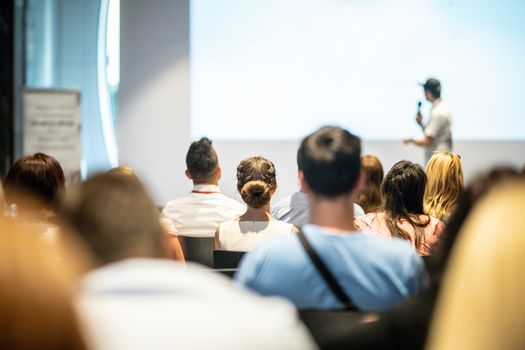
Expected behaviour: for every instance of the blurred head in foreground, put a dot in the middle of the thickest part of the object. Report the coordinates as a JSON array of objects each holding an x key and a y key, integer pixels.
[
  {"x": 481, "y": 304},
  {"x": 114, "y": 216},
  {"x": 36, "y": 293}
]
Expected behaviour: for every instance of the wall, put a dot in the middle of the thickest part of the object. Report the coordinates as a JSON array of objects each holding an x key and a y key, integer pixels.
[
  {"x": 155, "y": 113},
  {"x": 477, "y": 156},
  {"x": 153, "y": 127},
  {"x": 61, "y": 47}
]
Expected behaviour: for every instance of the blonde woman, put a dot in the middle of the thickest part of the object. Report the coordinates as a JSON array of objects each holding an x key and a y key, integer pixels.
[
  {"x": 444, "y": 184},
  {"x": 481, "y": 305},
  {"x": 256, "y": 183}
]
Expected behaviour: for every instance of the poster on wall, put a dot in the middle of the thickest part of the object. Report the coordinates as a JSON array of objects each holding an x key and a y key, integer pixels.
[{"x": 52, "y": 126}]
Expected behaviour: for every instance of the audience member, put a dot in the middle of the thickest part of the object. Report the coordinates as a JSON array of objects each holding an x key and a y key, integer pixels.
[
  {"x": 406, "y": 325},
  {"x": 199, "y": 213},
  {"x": 370, "y": 197},
  {"x": 256, "y": 183},
  {"x": 372, "y": 273},
  {"x": 294, "y": 209},
  {"x": 444, "y": 184},
  {"x": 170, "y": 240},
  {"x": 481, "y": 304},
  {"x": 134, "y": 300},
  {"x": 32, "y": 186},
  {"x": 36, "y": 297},
  {"x": 402, "y": 214}
]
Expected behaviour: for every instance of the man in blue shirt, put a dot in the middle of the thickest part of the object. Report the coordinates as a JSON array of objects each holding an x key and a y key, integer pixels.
[{"x": 374, "y": 272}]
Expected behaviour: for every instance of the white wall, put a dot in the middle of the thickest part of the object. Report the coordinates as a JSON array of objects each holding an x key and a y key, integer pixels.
[
  {"x": 154, "y": 121},
  {"x": 153, "y": 130},
  {"x": 477, "y": 156}
]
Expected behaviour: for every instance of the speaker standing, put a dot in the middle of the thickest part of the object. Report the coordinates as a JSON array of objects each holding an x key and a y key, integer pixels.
[{"x": 438, "y": 129}]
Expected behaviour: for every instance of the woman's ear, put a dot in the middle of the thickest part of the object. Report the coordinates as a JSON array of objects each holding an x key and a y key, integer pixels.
[
  {"x": 302, "y": 181},
  {"x": 274, "y": 189}
]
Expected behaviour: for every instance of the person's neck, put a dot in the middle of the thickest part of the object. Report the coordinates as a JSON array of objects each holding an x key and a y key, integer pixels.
[
  {"x": 213, "y": 182},
  {"x": 257, "y": 214},
  {"x": 36, "y": 215},
  {"x": 335, "y": 215}
]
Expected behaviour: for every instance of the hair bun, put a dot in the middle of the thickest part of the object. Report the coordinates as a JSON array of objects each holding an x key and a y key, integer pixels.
[{"x": 256, "y": 193}]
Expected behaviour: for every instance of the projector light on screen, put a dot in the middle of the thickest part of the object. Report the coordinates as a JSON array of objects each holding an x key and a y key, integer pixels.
[{"x": 276, "y": 70}]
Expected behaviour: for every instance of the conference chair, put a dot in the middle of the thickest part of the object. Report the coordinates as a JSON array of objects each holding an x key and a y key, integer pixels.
[
  {"x": 226, "y": 272},
  {"x": 198, "y": 249},
  {"x": 223, "y": 259},
  {"x": 327, "y": 325}
]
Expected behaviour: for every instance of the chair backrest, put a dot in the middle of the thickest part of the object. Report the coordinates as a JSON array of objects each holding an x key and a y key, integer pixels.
[
  {"x": 226, "y": 272},
  {"x": 223, "y": 259},
  {"x": 198, "y": 249},
  {"x": 327, "y": 324}
]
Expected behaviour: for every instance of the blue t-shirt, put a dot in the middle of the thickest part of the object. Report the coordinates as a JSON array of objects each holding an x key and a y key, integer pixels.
[{"x": 375, "y": 272}]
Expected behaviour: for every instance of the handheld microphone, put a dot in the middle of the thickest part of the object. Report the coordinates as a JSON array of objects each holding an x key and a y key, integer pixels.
[{"x": 419, "y": 106}]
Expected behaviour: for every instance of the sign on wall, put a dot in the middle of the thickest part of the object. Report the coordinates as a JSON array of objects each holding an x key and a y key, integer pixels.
[{"x": 52, "y": 126}]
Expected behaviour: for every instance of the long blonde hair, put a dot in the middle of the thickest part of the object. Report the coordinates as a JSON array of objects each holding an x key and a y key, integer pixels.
[
  {"x": 481, "y": 305},
  {"x": 444, "y": 184}
]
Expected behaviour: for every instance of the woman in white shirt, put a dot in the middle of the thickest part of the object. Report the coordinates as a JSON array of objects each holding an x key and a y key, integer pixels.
[{"x": 256, "y": 183}]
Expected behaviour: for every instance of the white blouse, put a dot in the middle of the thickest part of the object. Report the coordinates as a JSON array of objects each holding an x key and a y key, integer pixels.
[{"x": 242, "y": 236}]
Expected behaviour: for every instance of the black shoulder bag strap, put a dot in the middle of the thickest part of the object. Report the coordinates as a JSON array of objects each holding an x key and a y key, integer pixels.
[{"x": 328, "y": 277}]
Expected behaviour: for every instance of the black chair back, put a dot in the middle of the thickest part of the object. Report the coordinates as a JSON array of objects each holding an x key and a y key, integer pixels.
[
  {"x": 198, "y": 249},
  {"x": 324, "y": 325},
  {"x": 223, "y": 259},
  {"x": 226, "y": 272}
]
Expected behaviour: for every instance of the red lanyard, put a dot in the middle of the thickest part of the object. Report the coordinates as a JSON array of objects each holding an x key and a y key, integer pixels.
[{"x": 204, "y": 192}]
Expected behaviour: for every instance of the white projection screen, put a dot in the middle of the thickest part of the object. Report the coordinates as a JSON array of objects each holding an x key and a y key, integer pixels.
[{"x": 278, "y": 69}]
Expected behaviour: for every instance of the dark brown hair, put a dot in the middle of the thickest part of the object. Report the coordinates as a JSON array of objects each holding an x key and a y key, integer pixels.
[
  {"x": 402, "y": 194},
  {"x": 256, "y": 180},
  {"x": 330, "y": 161},
  {"x": 370, "y": 197},
  {"x": 38, "y": 176},
  {"x": 201, "y": 161}
]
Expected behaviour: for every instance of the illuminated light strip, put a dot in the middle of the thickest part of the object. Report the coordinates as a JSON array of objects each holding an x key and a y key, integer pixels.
[{"x": 108, "y": 129}]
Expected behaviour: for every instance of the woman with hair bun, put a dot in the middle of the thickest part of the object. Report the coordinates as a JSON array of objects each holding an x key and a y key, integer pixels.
[{"x": 256, "y": 183}]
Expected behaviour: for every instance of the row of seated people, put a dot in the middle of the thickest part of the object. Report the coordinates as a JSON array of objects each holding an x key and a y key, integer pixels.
[
  {"x": 130, "y": 300},
  {"x": 206, "y": 212}
]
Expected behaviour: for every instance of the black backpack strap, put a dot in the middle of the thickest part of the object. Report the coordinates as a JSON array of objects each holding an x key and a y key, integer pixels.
[{"x": 328, "y": 277}]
